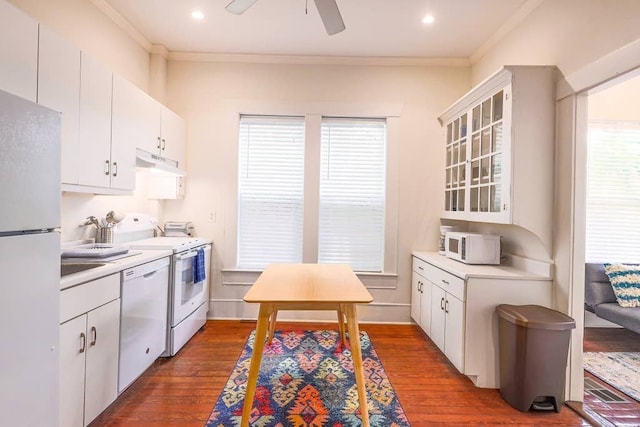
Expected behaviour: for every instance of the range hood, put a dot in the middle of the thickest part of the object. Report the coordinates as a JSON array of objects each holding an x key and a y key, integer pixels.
[{"x": 147, "y": 160}]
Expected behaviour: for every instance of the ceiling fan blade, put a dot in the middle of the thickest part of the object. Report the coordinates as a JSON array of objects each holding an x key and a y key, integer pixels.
[
  {"x": 331, "y": 18},
  {"x": 237, "y": 7}
]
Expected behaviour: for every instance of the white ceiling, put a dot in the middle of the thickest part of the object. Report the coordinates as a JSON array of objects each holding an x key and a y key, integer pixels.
[{"x": 375, "y": 28}]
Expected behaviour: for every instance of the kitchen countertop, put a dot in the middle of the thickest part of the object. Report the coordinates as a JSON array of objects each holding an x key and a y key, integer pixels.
[
  {"x": 111, "y": 267},
  {"x": 465, "y": 271}
]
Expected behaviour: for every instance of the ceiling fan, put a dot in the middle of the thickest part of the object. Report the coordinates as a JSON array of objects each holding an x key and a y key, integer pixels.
[{"x": 328, "y": 10}]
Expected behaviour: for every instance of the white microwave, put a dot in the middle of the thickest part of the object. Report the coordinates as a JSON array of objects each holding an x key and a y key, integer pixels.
[{"x": 473, "y": 248}]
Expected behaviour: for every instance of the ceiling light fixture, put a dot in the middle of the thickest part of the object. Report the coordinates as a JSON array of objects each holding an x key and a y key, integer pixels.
[
  {"x": 428, "y": 19},
  {"x": 197, "y": 15}
]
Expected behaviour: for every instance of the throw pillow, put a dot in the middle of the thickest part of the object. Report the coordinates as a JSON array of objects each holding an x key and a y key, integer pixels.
[{"x": 625, "y": 280}]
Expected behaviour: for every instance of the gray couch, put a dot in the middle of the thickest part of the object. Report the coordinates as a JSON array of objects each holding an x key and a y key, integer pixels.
[{"x": 600, "y": 299}]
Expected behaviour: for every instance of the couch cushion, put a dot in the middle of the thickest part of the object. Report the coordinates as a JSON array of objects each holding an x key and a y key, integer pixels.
[
  {"x": 625, "y": 280},
  {"x": 623, "y": 316},
  {"x": 597, "y": 288}
]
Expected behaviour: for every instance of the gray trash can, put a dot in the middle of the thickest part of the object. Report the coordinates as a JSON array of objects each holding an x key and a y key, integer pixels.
[{"x": 534, "y": 344}]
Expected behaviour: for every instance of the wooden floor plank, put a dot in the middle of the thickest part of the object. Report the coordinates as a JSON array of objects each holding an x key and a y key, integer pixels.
[{"x": 182, "y": 391}]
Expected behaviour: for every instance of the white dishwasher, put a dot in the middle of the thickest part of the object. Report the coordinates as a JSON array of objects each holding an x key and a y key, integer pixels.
[{"x": 143, "y": 323}]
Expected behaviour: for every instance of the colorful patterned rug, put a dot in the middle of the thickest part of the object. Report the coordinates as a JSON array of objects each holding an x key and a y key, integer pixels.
[
  {"x": 618, "y": 369},
  {"x": 306, "y": 380}
]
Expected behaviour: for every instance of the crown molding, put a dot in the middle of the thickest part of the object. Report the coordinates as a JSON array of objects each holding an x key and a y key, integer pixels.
[
  {"x": 319, "y": 60},
  {"x": 511, "y": 23},
  {"x": 121, "y": 22}
]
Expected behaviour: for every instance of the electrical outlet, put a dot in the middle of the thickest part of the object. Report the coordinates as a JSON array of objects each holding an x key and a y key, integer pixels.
[{"x": 212, "y": 216}]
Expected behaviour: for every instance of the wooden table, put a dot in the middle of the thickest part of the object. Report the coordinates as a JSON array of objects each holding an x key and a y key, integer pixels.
[{"x": 306, "y": 287}]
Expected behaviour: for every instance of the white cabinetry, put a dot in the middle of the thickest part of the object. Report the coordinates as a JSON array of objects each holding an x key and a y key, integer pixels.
[
  {"x": 463, "y": 322},
  {"x": 105, "y": 163},
  {"x": 19, "y": 52},
  {"x": 89, "y": 338},
  {"x": 59, "y": 89},
  {"x": 421, "y": 295},
  {"x": 499, "y": 150},
  {"x": 173, "y": 136}
]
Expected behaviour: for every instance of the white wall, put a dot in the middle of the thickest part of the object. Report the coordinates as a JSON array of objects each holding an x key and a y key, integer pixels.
[
  {"x": 618, "y": 103},
  {"x": 208, "y": 96}
]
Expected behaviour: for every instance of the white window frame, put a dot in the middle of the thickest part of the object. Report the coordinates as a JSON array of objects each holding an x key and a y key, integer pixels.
[{"x": 232, "y": 275}]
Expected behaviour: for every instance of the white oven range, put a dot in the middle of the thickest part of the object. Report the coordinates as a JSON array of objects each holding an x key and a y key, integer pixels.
[{"x": 188, "y": 299}]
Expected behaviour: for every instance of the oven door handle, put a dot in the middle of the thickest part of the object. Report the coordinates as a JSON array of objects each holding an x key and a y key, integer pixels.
[{"x": 187, "y": 256}]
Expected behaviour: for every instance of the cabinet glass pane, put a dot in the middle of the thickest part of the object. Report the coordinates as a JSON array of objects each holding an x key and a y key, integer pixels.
[
  {"x": 497, "y": 106},
  {"x": 496, "y": 168},
  {"x": 484, "y": 199},
  {"x": 456, "y": 128},
  {"x": 486, "y": 139},
  {"x": 447, "y": 200},
  {"x": 454, "y": 176},
  {"x": 449, "y": 133},
  {"x": 454, "y": 200},
  {"x": 474, "y": 200},
  {"x": 461, "y": 200},
  {"x": 496, "y": 138},
  {"x": 484, "y": 170},
  {"x": 462, "y": 172},
  {"x": 463, "y": 150},
  {"x": 475, "y": 171},
  {"x": 463, "y": 126},
  {"x": 475, "y": 119},
  {"x": 454, "y": 158},
  {"x": 448, "y": 177},
  {"x": 495, "y": 198},
  {"x": 449, "y": 154},
  {"x": 475, "y": 146},
  {"x": 486, "y": 113}
]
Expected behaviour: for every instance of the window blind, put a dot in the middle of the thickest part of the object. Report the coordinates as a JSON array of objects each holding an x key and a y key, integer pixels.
[
  {"x": 270, "y": 190},
  {"x": 352, "y": 193},
  {"x": 613, "y": 192}
]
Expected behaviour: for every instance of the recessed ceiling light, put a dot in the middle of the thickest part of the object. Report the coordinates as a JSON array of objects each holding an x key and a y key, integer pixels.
[
  {"x": 428, "y": 19},
  {"x": 197, "y": 15}
]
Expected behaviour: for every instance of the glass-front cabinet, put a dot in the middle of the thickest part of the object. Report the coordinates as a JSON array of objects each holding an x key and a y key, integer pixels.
[
  {"x": 499, "y": 150},
  {"x": 475, "y": 157}
]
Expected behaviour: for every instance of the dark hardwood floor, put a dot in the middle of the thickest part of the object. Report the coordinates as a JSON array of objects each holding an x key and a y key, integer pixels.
[
  {"x": 182, "y": 391},
  {"x": 610, "y": 340}
]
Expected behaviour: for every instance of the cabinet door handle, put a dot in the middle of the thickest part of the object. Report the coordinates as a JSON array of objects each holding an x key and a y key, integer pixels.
[
  {"x": 442, "y": 303},
  {"x": 83, "y": 342},
  {"x": 164, "y": 144},
  {"x": 445, "y": 282},
  {"x": 106, "y": 167},
  {"x": 159, "y": 144},
  {"x": 446, "y": 306},
  {"x": 115, "y": 168},
  {"x": 94, "y": 336}
]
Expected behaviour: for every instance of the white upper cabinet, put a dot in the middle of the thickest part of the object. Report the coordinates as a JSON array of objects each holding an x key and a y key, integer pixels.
[
  {"x": 19, "y": 52},
  {"x": 499, "y": 150},
  {"x": 59, "y": 89},
  {"x": 173, "y": 137}
]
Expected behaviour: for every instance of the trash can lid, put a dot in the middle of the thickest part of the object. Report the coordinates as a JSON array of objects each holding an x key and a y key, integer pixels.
[{"x": 535, "y": 316}]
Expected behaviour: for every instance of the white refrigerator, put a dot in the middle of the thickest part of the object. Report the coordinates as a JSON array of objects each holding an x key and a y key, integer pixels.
[{"x": 29, "y": 262}]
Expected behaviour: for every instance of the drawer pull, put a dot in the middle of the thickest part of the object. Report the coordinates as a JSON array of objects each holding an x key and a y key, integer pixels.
[
  {"x": 420, "y": 268},
  {"x": 445, "y": 282}
]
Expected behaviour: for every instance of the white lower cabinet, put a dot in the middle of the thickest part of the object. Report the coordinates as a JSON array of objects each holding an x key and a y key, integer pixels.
[
  {"x": 89, "y": 343},
  {"x": 460, "y": 318}
]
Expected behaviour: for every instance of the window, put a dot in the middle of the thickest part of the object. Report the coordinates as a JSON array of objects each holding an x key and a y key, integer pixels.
[
  {"x": 352, "y": 193},
  {"x": 332, "y": 211},
  {"x": 270, "y": 190},
  {"x": 613, "y": 192}
]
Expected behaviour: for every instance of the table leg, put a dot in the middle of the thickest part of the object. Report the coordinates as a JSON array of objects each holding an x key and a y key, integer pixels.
[
  {"x": 256, "y": 358},
  {"x": 341, "y": 325},
  {"x": 356, "y": 352},
  {"x": 272, "y": 326}
]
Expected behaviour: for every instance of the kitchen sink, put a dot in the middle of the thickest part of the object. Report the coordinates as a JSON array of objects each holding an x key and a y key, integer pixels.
[{"x": 76, "y": 267}]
